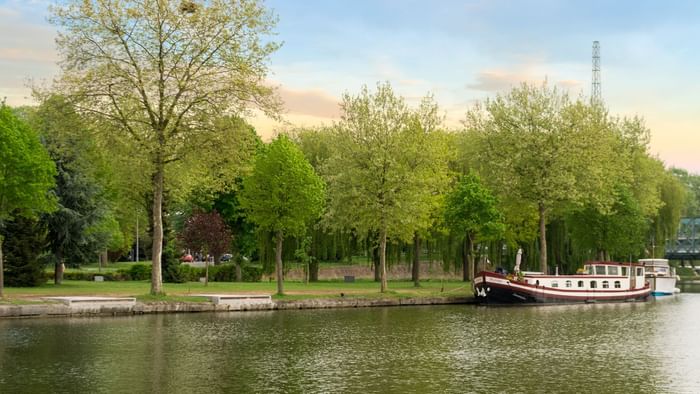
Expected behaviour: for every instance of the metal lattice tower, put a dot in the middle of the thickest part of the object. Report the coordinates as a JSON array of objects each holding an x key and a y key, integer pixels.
[{"x": 596, "y": 96}]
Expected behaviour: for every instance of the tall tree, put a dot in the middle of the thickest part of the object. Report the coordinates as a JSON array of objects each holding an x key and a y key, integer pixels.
[
  {"x": 618, "y": 233},
  {"x": 380, "y": 183},
  {"x": 282, "y": 195},
  {"x": 547, "y": 151},
  {"x": 471, "y": 210},
  {"x": 160, "y": 71},
  {"x": 208, "y": 234},
  {"x": 26, "y": 174},
  {"x": 25, "y": 239}
]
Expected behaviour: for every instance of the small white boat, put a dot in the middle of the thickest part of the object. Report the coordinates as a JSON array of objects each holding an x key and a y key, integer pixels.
[
  {"x": 661, "y": 276},
  {"x": 596, "y": 282}
]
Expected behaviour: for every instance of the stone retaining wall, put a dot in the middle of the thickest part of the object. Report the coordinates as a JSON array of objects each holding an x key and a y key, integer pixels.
[{"x": 60, "y": 310}]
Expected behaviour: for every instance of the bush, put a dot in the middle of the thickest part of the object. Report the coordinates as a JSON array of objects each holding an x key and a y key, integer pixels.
[
  {"x": 252, "y": 273},
  {"x": 223, "y": 273},
  {"x": 90, "y": 276},
  {"x": 136, "y": 272}
]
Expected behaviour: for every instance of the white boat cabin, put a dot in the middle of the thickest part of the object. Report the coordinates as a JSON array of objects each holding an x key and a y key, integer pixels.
[
  {"x": 657, "y": 267},
  {"x": 594, "y": 276}
]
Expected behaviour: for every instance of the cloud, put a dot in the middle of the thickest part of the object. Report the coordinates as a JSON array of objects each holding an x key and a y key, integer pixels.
[
  {"x": 315, "y": 103},
  {"x": 532, "y": 72},
  {"x": 569, "y": 83},
  {"x": 497, "y": 80}
]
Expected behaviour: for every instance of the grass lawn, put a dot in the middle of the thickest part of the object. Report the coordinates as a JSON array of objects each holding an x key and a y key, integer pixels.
[{"x": 293, "y": 290}]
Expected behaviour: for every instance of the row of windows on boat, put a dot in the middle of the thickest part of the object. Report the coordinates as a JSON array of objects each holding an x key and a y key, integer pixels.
[
  {"x": 593, "y": 284},
  {"x": 611, "y": 270}
]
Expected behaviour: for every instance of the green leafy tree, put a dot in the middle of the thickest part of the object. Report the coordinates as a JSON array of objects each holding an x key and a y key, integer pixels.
[
  {"x": 380, "y": 181},
  {"x": 618, "y": 233},
  {"x": 692, "y": 185},
  {"x": 26, "y": 174},
  {"x": 282, "y": 195},
  {"x": 546, "y": 151},
  {"x": 161, "y": 72},
  {"x": 471, "y": 210}
]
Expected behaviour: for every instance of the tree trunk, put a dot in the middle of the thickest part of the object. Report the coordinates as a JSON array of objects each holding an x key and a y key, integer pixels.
[
  {"x": 2, "y": 268},
  {"x": 415, "y": 274},
  {"x": 58, "y": 269},
  {"x": 239, "y": 273},
  {"x": 469, "y": 247},
  {"x": 313, "y": 271},
  {"x": 157, "y": 247},
  {"x": 543, "y": 239},
  {"x": 206, "y": 272},
  {"x": 278, "y": 264},
  {"x": 376, "y": 264},
  {"x": 382, "y": 259},
  {"x": 600, "y": 255}
]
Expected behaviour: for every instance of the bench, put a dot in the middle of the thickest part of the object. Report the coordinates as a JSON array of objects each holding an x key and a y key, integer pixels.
[
  {"x": 93, "y": 302},
  {"x": 239, "y": 300}
]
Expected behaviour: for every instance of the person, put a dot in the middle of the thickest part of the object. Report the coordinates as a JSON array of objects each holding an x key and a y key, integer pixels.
[{"x": 518, "y": 259}]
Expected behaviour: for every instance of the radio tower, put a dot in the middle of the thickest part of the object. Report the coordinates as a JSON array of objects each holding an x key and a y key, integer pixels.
[{"x": 596, "y": 97}]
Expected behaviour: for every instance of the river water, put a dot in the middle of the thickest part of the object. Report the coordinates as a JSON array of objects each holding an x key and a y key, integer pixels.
[{"x": 628, "y": 347}]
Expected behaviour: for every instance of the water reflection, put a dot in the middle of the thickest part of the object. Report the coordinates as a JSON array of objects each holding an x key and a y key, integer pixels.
[{"x": 627, "y": 347}]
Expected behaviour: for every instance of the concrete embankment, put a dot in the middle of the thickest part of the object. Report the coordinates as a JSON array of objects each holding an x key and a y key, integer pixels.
[{"x": 139, "y": 308}]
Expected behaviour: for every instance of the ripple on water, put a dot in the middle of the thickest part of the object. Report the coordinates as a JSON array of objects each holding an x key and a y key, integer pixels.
[{"x": 632, "y": 347}]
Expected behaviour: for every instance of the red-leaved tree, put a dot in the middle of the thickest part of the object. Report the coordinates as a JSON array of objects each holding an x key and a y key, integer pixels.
[{"x": 207, "y": 233}]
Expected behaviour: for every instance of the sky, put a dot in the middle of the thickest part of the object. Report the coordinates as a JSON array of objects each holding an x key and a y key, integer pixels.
[{"x": 462, "y": 52}]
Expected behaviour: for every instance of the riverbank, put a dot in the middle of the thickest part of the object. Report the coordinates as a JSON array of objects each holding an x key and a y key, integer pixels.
[
  {"x": 186, "y": 297},
  {"x": 55, "y": 309}
]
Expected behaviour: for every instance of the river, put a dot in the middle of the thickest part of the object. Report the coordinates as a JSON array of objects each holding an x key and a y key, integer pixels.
[{"x": 629, "y": 347}]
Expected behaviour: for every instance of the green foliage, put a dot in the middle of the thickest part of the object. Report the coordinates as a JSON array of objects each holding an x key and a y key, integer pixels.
[
  {"x": 283, "y": 193},
  {"x": 388, "y": 165},
  {"x": 26, "y": 171},
  {"x": 548, "y": 153},
  {"x": 139, "y": 272},
  {"x": 618, "y": 234},
  {"x": 26, "y": 174},
  {"x": 471, "y": 209},
  {"x": 692, "y": 185},
  {"x": 25, "y": 240},
  {"x": 162, "y": 86}
]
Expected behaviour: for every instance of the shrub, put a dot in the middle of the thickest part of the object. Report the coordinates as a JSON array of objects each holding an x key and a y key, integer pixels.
[
  {"x": 252, "y": 273},
  {"x": 136, "y": 272}
]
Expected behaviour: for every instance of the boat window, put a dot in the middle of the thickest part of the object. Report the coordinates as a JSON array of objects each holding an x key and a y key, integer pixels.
[
  {"x": 589, "y": 270},
  {"x": 606, "y": 284},
  {"x": 600, "y": 270},
  {"x": 624, "y": 271},
  {"x": 617, "y": 284},
  {"x": 568, "y": 283},
  {"x": 640, "y": 271},
  {"x": 594, "y": 284},
  {"x": 580, "y": 283},
  {"x": 612, "y": 270},
  {"x": 555, "y": 284}
]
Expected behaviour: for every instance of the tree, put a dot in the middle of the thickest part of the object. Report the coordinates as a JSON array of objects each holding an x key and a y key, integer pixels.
[
  {"x": 207, "y": 233},
  {"x": 380, "y": 182},
  {"x": 282, "y": 195},
  {"x": 26, "y": 174},
  {"x": 692, "y": 184},
  {"x": 25, "y": 241},
  {"x": 619, "y": 232},
  {"x": 470, "y": 209},
  {"x": 544, "y": 150},
  {"x": 79, "y": 211},
  {"x": 161, "y": 71}
]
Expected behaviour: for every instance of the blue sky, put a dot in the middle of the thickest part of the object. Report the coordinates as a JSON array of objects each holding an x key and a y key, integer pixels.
[{"x": 461, "y": 51}]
